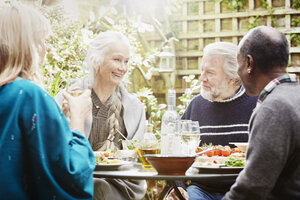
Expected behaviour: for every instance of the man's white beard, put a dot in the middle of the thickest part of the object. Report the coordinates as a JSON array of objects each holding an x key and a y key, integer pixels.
[
  {"x": 207, "y": 94},
  {"x": 214, "y": 93}
]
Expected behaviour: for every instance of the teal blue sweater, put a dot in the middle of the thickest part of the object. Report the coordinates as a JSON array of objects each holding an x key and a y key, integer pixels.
[{"x": 40, "y": 157}]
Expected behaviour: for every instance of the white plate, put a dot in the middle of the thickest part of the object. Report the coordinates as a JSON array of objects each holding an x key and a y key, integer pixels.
[
  {"x": 241, "y": 145},
  {"x": 217, "y": 169},
  {"x": 113, "y": 166}
]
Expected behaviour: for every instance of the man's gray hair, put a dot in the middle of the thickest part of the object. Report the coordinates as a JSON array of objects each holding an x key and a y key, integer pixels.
[{"x": 229, "y": 51}]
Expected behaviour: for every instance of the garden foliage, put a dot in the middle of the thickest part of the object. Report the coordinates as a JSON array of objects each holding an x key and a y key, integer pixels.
[{"x": 67, "y": 46}]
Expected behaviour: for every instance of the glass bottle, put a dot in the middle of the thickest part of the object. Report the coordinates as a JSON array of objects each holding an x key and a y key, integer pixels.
[
  {"x": 149, "y": 145},
  {"x": 169, "y": 126}
]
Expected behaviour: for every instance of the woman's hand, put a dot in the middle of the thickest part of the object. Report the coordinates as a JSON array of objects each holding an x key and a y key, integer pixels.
[
  {"x": 78, "y": 108},
  {"x": 172, "y": 195},
  {"x": 65, "y": 108}
]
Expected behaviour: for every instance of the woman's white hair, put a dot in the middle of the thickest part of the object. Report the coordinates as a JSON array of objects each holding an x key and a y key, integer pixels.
[
  {"x": 94, "y": 60},
  {"x": 97, "y": 50},
  {"x": 22, "y": 30},
  {"x": 229, "y": 51}
]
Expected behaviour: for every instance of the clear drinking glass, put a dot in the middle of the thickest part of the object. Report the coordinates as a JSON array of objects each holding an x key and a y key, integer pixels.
[
  {"x": 186, "y": 126},
  {"x": 72, "y": 87},
  {"x": 190, "y": 136}
]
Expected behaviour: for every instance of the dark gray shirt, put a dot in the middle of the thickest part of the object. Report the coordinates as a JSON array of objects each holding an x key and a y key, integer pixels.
[{"x": 272, "y": 168}]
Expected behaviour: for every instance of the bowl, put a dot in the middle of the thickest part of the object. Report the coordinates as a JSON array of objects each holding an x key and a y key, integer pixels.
[
  {"x": 170, "y": 165},
  {"x": 241, "y": 145}
]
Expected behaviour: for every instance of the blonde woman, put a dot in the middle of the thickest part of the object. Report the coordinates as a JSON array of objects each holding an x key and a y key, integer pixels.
[
  {"x": 41, "y": 157},
  {"x": 114, "y": 109}
]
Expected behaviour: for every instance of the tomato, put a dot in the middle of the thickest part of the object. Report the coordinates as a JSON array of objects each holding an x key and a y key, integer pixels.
[
  {"x": 199, "y": 149},
  {"x": 226, "y": 152},
  {"x": 210, "y": 153},
  {"x": 106, "y": 154},
  {"x": 217, "y": 152}
]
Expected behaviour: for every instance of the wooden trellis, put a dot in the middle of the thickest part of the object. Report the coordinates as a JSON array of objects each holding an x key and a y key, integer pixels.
[{"x": 200, "y": 22}]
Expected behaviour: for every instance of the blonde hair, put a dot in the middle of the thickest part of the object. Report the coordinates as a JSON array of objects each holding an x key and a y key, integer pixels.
[
  {"x": 94, "y": 60},
  {"x": 22, "y": 29}
]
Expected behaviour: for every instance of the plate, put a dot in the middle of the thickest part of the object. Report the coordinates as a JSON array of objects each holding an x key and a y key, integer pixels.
[
  {"x": 218, "y": 169},
  {"x": 241, "y": 145},
  {"x": 113, "y": 166}
]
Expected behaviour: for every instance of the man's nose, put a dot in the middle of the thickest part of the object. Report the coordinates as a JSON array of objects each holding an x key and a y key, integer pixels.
[{"x": 203, "y": 77}]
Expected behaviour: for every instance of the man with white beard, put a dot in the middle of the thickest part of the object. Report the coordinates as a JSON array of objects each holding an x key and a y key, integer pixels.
[{"x": 223, "y": 110}]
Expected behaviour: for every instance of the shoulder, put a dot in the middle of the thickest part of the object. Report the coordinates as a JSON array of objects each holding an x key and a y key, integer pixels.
[
  {"x": 27, "y": 87},
  {"x": 281, "y": 103},
  {"x": 250, "y": 101},
  {"x": 195, "y": 105},
  {"x": 198, "y": 98},
  {"x": 31, "y": 91},
  {"x": 283, "y": 97},
  {"x": 128, "y": 98},
  {"x": 198, "y": 101}
]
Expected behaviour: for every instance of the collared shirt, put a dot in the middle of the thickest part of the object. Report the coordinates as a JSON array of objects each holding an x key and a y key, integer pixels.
[
  {"x": 286, "y": 78},
  {"x": 241, "y": 90}
]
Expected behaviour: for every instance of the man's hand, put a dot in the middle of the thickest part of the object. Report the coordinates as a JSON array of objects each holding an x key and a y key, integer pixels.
[{"x": 172, "y": 195}]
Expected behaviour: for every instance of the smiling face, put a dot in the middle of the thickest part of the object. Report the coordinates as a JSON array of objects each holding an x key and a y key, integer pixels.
[
  {"x": 114, "y": 65},
  {"x": 214, "y": 82}
]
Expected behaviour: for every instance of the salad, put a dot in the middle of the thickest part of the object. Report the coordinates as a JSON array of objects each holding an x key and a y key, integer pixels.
[{"x": 103, "y": 158}]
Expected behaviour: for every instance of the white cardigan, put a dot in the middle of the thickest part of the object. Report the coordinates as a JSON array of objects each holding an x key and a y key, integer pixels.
[{"x": 134, "y": 116}]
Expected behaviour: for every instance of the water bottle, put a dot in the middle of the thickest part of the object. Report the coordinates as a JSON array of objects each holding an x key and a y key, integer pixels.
[{"x": 169, "y": 126}]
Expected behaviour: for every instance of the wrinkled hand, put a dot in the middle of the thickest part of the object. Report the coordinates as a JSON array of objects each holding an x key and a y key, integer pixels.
[
  {"x": 172, "y": 195},
  {"x": 78, "y": 107}
]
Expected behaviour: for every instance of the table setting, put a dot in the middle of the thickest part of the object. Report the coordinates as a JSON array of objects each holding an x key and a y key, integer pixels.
[{"x": 182, "y": 160}]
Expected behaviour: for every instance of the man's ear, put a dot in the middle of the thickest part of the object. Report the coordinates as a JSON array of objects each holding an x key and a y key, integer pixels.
[{"x": 250, "y": 64}]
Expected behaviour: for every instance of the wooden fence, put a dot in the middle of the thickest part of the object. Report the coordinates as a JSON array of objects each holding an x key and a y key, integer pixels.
[{"x": 200, "y": 22}]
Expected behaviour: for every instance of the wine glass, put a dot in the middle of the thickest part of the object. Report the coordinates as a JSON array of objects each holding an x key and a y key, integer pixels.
[
  {"x": 186, "y": 126},
  {"x": 190, "y": 136},
  {"x": 73, "y": 87}
]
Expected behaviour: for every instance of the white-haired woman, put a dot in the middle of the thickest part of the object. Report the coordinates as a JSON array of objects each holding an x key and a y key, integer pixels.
[
  {"x": 114, "y": 109},
  {"x": 41, "y": 157}
]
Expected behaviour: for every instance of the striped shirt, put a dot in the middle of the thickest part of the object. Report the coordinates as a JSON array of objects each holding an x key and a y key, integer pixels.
[{"x": 222, "y": 122}]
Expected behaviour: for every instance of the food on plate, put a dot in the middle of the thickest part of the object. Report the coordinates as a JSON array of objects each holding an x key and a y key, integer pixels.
[
  {"x": 103, "y": 158},
  {"x": 221, "y": 155},
  {"x": 219, "y": 150},
  {"x": 240, "y": 145},
  {"x": 108, "y": 153},
  {"x": 234, "y": 162}
]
